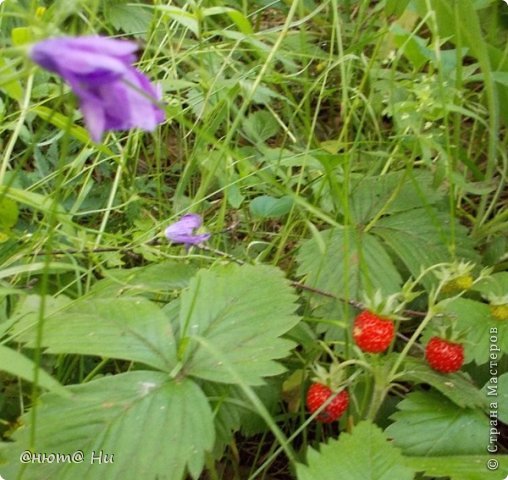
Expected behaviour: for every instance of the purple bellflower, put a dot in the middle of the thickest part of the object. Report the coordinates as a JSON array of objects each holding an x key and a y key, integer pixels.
[
  {"x": 182, "y": 230},
  {"x": 113, "y": 94}
]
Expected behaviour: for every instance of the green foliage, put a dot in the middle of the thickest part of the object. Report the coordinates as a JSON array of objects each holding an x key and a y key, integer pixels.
[
  {"x": 152, "y": 281},
  {"x": 18, "y": 365},
  {"x": 164, "y": 424},
  {"x": 457, "y": 387},
  {"x": 424, "y": 237},
  {"x": 404, "y": 224},
  {"x": 265, "y": 206},
  {"x": 342, "y": 261},
  {"x": 130, "y": 328},
  {"x": 456, "y": 467},
  {"x": 260, "y": 126},
  {"x": 395, "y": 192},
  {"x": 129, "y": 18},
  {"x": 496, "y": 284},
  {"x": 10, "y": 83},
  {"x": 484, "y": 334},
  {"x": 363, "y": 454},
  {"x": 8, "y": 217},
  {"x": 234, "y": 329},
  {"x": 225, "y": 331},
  {"x": 427, "y": 424}
]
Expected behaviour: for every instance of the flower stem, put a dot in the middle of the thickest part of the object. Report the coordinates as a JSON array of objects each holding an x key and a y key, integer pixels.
[{"x": 378, "y": 396}]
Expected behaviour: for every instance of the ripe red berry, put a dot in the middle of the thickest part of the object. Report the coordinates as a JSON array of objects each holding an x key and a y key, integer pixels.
[
  {"x": 444, "y": 356},
  {"x": 318, "y": 394},
  {"x": 373, "y": 333}
]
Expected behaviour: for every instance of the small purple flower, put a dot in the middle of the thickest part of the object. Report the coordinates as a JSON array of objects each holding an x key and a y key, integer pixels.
[
  {"x": 182, "y": 231},
  {"x": 113, "y": 94}
]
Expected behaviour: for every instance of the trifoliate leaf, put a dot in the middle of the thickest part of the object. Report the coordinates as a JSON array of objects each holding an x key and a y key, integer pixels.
[{"x": 427, "y": 423}]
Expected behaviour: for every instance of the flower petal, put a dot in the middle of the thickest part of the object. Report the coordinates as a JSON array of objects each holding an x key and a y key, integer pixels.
[
  {"x": 100, "y": 73},
  {"x": 182, "y": 230},
  {"x": 95, "y": 119}
]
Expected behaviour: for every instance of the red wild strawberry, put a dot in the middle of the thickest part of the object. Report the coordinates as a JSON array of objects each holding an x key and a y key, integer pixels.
[
  {"x": 444, "y": 356},
  {"x": 373, "y": 333},
  {"x": 318, "y": 394}
]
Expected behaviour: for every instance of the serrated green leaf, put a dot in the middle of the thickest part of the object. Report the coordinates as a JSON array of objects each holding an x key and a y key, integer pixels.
[
  {"x": 157, "y": 278},
  {"x": 227, "y": 410},
  {"x": 458, "y": 387},
  {"x": 423, "y": 237},
  {"x": 129, "y": 18},
  {"x": 153, "y": 425},
  {"x": 484, "y": 334},
  {"x": 241, "y": 312},
  {"x": 127, "y": 328},
  {"x": 459, "y": 467},
  {"x": 427, "y": 423},
  {"x": 351, "y": 263},
  {"x": 260, "y": 126},
  {"x": 364, "y": 454},
  {"x": 266, "y": 206},
  {"x": 18, "y": 365},
  {"x": 392, "y": 193}
]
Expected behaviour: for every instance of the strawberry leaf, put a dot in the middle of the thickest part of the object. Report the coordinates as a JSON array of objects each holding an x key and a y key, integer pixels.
[
  {"x": 392, "y": 193},
  {"x": 341, "y": 260},
  {"x": 155, "y": 279},
  {"x": 427, "y": 423},
  {"x": 130, "y": 328},
  {"x": 365, "y": 454},
  {"x": 150, "y": 423},
  {"x": 422, "y": 237},
  {"x": 231, "y": 319},
  {"x": 459, "y": 467},
  {"x": 458, "y": 387}
]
